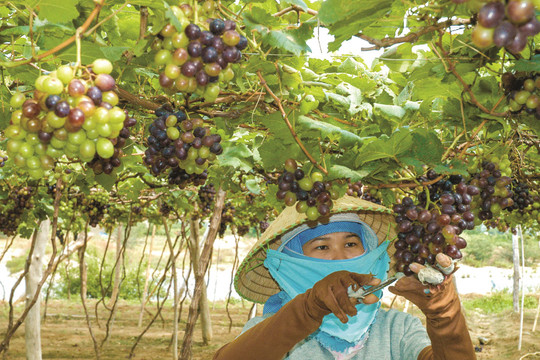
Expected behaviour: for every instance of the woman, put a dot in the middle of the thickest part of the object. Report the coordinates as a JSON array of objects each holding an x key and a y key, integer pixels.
[{"x": 304, "y": 273}]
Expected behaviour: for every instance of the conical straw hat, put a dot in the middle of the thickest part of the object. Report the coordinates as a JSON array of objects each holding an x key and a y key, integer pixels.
[{"x": 253, "y": 281}]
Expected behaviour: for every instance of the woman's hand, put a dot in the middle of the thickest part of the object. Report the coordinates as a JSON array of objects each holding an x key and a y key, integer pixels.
[
  {"x": 329, "y": 295},
  {"x": 422, "y": 295}
]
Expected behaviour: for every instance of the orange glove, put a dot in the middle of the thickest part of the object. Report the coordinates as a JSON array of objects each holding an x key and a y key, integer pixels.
[
  {"x": 445, "y": 323},
  {"x": 329, "y": 295}
]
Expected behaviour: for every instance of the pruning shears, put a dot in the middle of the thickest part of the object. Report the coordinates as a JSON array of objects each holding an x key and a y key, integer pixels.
[{"x": 363, "y": 291}]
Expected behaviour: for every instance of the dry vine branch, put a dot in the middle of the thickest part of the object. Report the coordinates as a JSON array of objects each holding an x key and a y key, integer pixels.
[
  {"x": 293, "y": 133},
  {"x": 297, "y": 9},
  {"x": 83, "y": 275},
  {"x": 406, "y": 185},
  {"x": 80, "y": 30},
  {"x": 410, "y": 37}
]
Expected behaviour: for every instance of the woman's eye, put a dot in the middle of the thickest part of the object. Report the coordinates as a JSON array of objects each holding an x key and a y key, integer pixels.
[
  {"x": 322, "y": 247},
  {"x": 351, "y": 244}
]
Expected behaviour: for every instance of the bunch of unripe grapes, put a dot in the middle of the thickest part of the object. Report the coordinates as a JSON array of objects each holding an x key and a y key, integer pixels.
[
  {"x": 227, "y": 217},
  {"x": 68, "y": 207},
  {"x": 196, "y": 57},
  {"x": 96, "y": 205},
  {"x": 495, "y": 193},
  {"x": 524, "y": 93},
  {"x": 310, "y": 193},
  {"x": 184, "y": 145},
  {"x": 433, "y": 224},
  {"x": 68, "y": 115},
  {"x": 207, "y": 193},
  {"x": 357, "y": 190},
  {"x": 12, "y": 208},
  {"x": 506, "y": 24}
]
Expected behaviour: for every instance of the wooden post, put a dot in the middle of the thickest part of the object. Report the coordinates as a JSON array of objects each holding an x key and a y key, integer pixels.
[
  {"x": 32, "y": 324},
  {"x": 185, "y": 354},
  {"x": 520, "y": 233},
  {"x": 515, "y": 259}
]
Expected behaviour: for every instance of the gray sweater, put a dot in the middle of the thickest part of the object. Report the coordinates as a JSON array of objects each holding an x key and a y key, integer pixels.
[{"x": 394, "y": 335}]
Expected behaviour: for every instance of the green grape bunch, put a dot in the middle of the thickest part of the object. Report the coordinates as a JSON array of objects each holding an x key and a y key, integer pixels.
[{"x": 72, "y": 112}]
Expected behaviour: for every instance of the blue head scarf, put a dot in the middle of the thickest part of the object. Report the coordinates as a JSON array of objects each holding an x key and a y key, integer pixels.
[{"x": 296, "y": 273}]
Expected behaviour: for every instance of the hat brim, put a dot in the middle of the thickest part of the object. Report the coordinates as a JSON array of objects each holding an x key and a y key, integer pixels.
[{"x": 253, "y": 281}]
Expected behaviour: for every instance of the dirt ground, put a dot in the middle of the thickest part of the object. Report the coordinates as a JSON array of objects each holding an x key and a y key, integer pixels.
[{"x": 65, "y": 334}]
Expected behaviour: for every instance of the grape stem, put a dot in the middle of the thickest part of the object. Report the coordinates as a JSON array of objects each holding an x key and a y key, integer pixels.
[
  {"x": 407, "y": 185},
  {"x": 78, "y": 44},
  {"x": 451, "y": 66},
  {"x": 293, "y": 133}
]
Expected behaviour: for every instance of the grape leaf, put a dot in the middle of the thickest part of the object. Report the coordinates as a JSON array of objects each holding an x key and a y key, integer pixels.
[
  {"x": 107, "y": 181},
  {"x": 346, "y": 138},
  {"x": 172, "y": 18},
  {"x": 286, "y": 40},
  {"x": 300, "y": 3},
  {"x": 58, "y": 11},
  {"x": 346, "y": 18},
  {"x": 344, "y": 172},
  {"x": 381, "y": 148},
  {"x": 253, "y": 186},
  {"x": 532, "y": 65},
  {"x": 89, "y": 52},
  {"x": 390, "y": 110},
  {"x": 237, "y": 156}
]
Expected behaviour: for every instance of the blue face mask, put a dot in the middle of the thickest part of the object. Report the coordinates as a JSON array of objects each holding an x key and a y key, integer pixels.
[{"x": 295, "y": 274}]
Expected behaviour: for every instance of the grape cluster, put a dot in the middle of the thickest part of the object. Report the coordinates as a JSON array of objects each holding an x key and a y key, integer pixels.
[
  {"x": 3, "y": 161},
  {"x": 506, "y": 24},
  {"x": 184, "y": 145},
  {"x": 72, "y": 115},
  {"x": 102, "y": 165},
  {"x": 207, "y": 193},
  {"x": 263, "y": 225},
  {"x": 521, "y": 197},
  {"x": 227, "y": 217},
  {"x": 494, "y": 190},
  {"x": 357, "y": 190},
  {"x": 96, "y": 205},
  {"x": 198, "y": 57},
  {"x": 182, "y": 179},
  {"x": 523, "y": 93},
  {"x": 242, "y": 229},
  {"x": 311, "y": 195},
  {"x": 13, "y": 207},
  {"x": 165, "y": 209},
  {"x": 433, "y": 225}
]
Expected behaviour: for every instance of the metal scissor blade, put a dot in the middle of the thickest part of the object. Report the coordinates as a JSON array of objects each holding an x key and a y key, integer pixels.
[{"x": 363, "y": 292}]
